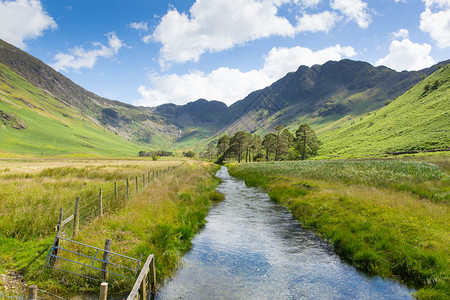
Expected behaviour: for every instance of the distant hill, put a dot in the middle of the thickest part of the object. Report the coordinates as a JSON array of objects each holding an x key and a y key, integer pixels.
[
  {"x": 417, "y": 120},
  {"x": 33, "y": 122},
  {"x": 42, "y": 111},
  {"x": 322, "y": 95},
  {"x": 137, "y": 124}
]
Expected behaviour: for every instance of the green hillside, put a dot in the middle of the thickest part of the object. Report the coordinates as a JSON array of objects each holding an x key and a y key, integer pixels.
[
  {"x": 417, "y": 120},
  {"x": 33, "y": 122}
]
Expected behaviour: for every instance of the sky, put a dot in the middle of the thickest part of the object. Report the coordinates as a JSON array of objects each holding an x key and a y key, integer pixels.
[{"x": 148, "y": 53}]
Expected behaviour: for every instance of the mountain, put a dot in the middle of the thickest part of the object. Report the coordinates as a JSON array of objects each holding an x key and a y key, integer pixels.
[
  {"x": 34, "y": 122},
  {"x": 151, "y": 127},
  {"x": 42, "y": 111},
  {"x": 327, "y": 96},
  {"x": 137, "y": 124},
  {"x": 417, "y": 120},
  {"x": 322, "y": 95}
]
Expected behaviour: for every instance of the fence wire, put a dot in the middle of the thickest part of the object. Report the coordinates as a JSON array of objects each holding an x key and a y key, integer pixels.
[{"x": 113, "y": 197}]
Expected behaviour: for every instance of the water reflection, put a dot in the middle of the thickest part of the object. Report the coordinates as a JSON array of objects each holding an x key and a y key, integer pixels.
[{"x": 252, "y": 248}]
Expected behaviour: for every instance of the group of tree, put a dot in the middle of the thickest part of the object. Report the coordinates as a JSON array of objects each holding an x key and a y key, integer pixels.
[
  {"x": 189, "y": 154},
  {"x": 278, "y": 145},
  {"x": 155, "y": 153}
]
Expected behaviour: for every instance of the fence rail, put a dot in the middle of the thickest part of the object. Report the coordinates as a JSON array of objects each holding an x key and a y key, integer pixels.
[
  {"x": 146, "y": 282},
  {"x": 80, "y": 259}
]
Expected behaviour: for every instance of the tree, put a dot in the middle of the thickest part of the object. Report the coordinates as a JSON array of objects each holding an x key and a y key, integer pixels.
[
  {"x": 238, "y": 144},
  {"x": 283, "y": 142},
  {"x": 210, "y": 151},
  {"x": 269, "y": 142},
  {"x": 306, "y": 141},
  {"x": 190, "y": 154},
  {"x": 223, "y": 144},
  {"x": 248, "y": 145},
  {"x": 255, "y": 145}
]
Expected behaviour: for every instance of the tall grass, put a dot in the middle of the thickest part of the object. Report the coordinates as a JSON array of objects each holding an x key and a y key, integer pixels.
[
  {"x": 424, "y": 179},
  {"x": 162, "y": 220},
  {"x": 368, "y": 212},
  {"x": 32, "y": 195}
]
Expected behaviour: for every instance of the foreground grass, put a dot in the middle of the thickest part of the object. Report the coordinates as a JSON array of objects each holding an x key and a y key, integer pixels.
[
  {"x": 160, "y": 220},
  {"x": 388, "y": 218}
]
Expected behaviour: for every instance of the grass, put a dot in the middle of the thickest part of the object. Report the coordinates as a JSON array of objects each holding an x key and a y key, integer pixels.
[
  {"x": 420, "y": 178},
  {"x": 369, "y": 213},
  {"x": 417, "y": 120},
  {"x": 169, "y": 212},
  {"x": 50, "y": 127}
]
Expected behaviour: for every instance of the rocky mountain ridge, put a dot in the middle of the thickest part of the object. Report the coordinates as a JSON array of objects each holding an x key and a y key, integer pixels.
[{"x": 321, "y": 95}]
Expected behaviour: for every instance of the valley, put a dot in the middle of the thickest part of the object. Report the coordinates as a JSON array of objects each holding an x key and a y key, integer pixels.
[
  {"x": 375, "y": 188},
  {"x": 336, "y": 99}
]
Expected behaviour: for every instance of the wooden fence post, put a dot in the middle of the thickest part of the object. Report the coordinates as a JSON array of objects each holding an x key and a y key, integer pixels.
[
  {"x": 60, "y": 221},
  {"x": 153, "y": 276},
  {"x": 148, "y": 176},
  {"x": 143, "y": 180},
  {"x": 115, "y": 191},
  {"x": 100, "y": 199},
  {"x": 56, "y": 244},
  {"x": 76, "y": 218},
  {"x": 103, "y": 291},
  {"x": 128, "y": 188},
  {"x": 105, "y": 258},
  {"x": 144, "y": 287},
  {"x": 137, "y": 186},
  {"x": 32, "y": 292}
]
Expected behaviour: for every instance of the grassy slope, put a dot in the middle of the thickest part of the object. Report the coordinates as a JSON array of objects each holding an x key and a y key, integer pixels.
[
  {"x": 170, "y": 209},
  {"x": 367, "y": 210},
  {"x": 417, "y": 120},
  {"x": 51, "y": 127}
]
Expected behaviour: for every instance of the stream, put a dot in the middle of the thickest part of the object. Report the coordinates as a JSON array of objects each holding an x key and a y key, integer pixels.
[{"x": 252, "y": 248}]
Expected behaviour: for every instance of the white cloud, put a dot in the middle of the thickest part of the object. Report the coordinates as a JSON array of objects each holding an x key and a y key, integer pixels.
[
  {"x": 406, "y": 55},
  {"x": 436, "y": 21},
  {"x": 323, "y": 21},
  {"x": 81, "y": 58},
  {"x": 437, "y": 3},
  {"x": 141, "y": 26},
  {"x": 310, "y": 3},
  {"x": 280, "y": 61},
  {"x": 402, "y": 33},
  {"x": 221, "y": 84},
  {"x": 217, "y": 25},
  {"x": 229, "y": 85},
  {"x": 353, "y": 9},
  {"x": 22, "y": 20}
]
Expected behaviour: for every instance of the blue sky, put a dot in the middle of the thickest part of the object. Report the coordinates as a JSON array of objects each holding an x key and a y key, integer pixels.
[{"x": 152, "y": 52}]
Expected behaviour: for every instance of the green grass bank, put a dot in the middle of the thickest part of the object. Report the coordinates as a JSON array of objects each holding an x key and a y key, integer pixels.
[
  {"x": 161, "y": 219},
  {"x": 386, "y": 217}
]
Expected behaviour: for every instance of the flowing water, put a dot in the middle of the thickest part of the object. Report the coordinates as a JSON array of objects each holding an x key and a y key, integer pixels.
[{"x": 252, "y": 248}]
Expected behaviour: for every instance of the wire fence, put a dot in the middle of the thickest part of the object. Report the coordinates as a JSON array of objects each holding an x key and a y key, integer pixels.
[
  {"x": 88, "y": 262},
  {"x": 107, "y": 199},
  {"x": 92, "y": 263}
]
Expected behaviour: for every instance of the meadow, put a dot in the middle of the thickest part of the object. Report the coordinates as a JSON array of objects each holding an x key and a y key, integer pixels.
[
  {"x": 161, "y": 218},
  {"x": 386, "y": 217}
]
